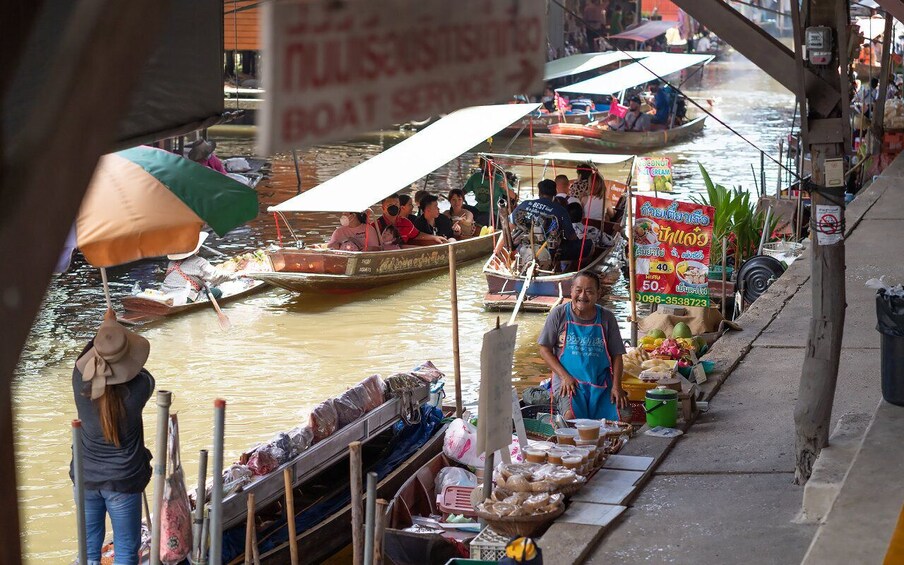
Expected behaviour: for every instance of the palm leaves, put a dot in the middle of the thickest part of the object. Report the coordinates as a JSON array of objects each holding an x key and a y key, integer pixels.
[{"x": 735, "y": 219}]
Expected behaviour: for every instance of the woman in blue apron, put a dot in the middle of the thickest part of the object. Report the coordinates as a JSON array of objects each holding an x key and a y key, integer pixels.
[{"x": 581, "y": 343}]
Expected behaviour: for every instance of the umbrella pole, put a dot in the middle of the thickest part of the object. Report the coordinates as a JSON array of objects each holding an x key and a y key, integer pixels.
[{"x": 103, "y": 277}]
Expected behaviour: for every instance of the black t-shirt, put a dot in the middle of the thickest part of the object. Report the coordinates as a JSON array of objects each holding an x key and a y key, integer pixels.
[{"x": 442, "y": 226}]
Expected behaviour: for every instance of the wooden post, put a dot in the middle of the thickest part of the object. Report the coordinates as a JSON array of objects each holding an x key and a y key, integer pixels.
[
  {"x": 249, "y": 530},
  {"x": 356, "y": 484},
  {"x": 456, "y": 357},
  {"x": 878, "y": 122},
  {"x": 629, "y": 204},
  {"x": 382, "y": 506},
  {"x": 813, "y": 410},
  {"x": 290, "y": 515}
]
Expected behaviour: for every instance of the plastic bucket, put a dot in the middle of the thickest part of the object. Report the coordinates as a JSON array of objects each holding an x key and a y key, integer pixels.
[{"x": 661, "y": 407}]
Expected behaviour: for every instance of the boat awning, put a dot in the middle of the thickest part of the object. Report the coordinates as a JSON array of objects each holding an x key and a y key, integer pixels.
[
  {"x": 562, "y": 157},
  {"x": 636, "y": 74},
  {"x": 357, "y": 189},
  {"x": 645, "y": 31},
  {"x": 871, "y": 28},
  {"x": 583, "y": 62}
]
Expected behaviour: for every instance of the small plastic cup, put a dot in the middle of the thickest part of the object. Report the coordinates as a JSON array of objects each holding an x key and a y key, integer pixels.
[
  {"x": 555, "y": 456},
  {"x": 566, "y": 436},
  {"x": 589, "y": 430},
  {"x": 533, "y": 455},
  {"x": 543, "y": 445},
  {"x": 572, "y": 462}
]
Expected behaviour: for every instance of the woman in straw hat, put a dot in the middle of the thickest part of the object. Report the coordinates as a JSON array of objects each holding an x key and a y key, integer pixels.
[
  {"x": 201, "y": 152},
  {"x": 111, "y": 387}
]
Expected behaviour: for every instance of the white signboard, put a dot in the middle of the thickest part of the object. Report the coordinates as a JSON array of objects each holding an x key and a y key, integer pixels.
[
  {"x": 335, "y": 69},
  {"x": 829, "y": 229}
]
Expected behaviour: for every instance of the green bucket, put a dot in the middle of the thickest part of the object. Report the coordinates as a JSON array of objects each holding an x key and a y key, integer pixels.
[{"x": 661, "y": 407}]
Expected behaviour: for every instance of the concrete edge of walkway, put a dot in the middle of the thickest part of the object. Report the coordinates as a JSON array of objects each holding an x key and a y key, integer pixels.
[{"x": 575, "y": 542}]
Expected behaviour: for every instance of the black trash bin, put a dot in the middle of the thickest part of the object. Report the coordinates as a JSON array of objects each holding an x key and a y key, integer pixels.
[{"x": 890, "y": 314}]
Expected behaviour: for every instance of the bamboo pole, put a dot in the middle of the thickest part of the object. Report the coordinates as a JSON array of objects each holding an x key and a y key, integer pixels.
[
  {"x": 249, "y": 530},
  {"x": 456, "y": 357},
  {"x": 369, "y": 515},
  {"x": 78, "y": 479},
  {"x": 200, "y": 501},
  {"x": 290, "y": 515},
  {"x": 164, "y": 400},
  {"x": 724, "y": 277},
  {"x": 380, "y": 529},
  {"x": 632, "y": 282},
  {"x": 216, "y": 496},
  {"x": 355, "y": 468}
]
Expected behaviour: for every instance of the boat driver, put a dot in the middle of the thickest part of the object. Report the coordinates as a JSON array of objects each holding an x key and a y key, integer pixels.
[
  {"x": 189, "y": 276},
  {"x": 396, "y": 230}
]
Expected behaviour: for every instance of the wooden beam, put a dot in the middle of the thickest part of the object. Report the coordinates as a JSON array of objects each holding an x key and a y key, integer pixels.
[
  {"x": 45, "y": 170},
  {"x": 893, "y": 7},
  {"x": 762, "y": 49}
]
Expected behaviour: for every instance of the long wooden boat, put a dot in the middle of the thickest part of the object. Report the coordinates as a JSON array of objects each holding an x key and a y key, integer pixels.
[
  {"x": 588, "y": 138},
  {"x": 546, "y": 290},
  {"x": 336, "y": 271},
  {"x": 416, "y": 498},
  {"x": 145, "y": 308}
]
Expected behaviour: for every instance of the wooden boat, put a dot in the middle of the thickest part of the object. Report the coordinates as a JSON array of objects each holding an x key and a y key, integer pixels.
[
  {"x": 416, "y": 498},
  {"x": 147, "y": 308},
  {"x": 335, "y": 271},
  {"x": 589, "y": 138}
]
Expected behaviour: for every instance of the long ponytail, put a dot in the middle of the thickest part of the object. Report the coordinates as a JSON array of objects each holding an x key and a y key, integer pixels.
[{"x": 111, "y": 411}]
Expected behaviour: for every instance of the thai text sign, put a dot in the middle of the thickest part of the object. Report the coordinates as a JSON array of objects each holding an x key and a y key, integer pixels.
[
  {"x": 335, "y": 69},
  {"x": 671, "y": 251},
  {"x": 653, "y": 174}
]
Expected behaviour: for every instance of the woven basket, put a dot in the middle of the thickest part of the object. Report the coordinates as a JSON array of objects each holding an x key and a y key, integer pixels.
[{"x": 520, "y": 525}]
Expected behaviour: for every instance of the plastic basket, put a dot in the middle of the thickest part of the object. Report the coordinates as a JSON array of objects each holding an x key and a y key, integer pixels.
[
  {"x": 780, "y": 249},
  {"x": 489, "y": 545},
  {"x": 456, "y": 499},
  {"x": 715, "y": 272},
  {"x": 538, "y": 430}
]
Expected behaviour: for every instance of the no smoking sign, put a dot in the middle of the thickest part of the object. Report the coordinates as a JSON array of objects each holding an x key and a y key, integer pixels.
[{"x": 828, "y": 224}]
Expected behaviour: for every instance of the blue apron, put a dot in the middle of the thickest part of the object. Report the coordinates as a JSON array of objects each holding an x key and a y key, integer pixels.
[{"x": 585, "y": 356}]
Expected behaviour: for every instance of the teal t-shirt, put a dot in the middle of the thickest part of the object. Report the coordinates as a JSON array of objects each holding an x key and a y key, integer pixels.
[{"x": 479, "y": 184}]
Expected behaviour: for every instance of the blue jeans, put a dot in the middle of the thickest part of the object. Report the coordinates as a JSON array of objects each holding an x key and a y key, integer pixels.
[{"x": 125, "y": 516}]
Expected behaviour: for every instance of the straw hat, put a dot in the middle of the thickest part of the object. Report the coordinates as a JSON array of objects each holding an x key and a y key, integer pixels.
[
  {"x": 116, "y": 357},
  {"x": 201, "y": 150},
  {"x": 202, "y": 237}
]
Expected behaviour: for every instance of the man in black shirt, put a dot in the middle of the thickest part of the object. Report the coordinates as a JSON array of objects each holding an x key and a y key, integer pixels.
[{"x": 430, "y": 221}]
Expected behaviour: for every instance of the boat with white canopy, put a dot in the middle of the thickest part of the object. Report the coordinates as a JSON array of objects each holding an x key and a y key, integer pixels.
[
  {"x": 317, "y": 268},
  {"x": 596, "y": 136}
]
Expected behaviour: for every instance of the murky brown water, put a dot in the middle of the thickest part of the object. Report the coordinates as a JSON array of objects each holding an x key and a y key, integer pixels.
[{"x": 286, "y": 353}]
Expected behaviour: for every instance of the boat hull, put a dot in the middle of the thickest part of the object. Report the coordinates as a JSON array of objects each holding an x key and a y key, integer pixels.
[
  {"x": 331, "y": 271},
  {"x": 543, "y": 122},
  {"x": 140, "y": 310},
  {"x": 590, "y": 139}
]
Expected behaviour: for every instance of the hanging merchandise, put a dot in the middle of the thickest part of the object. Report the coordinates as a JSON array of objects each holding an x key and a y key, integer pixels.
[
  {"x": 671, "y": 251},
  {"x": 175, "y": 522}
]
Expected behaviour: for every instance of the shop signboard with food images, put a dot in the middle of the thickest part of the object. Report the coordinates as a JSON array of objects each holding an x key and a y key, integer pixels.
[
  {"x": 671, "y": 251},
  {"x": 653, "y": 174}
]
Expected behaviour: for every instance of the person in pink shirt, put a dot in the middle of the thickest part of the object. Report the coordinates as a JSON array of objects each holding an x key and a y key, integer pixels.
[
  {"x": 354, "y": 234},
  {"x": 202, "y": 153}
]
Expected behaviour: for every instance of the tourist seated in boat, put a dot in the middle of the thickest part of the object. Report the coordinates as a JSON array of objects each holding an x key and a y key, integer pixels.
[
  {"x": 634, "y": 119},
  {"x": 662, "y": 103},
  {"x": 188, "y": 276},
  {"x": 395, "y": 230},
  {"x": 406, "y": 203},
  {"x": 576, "y": 213},
  {"x": 202, "y": 152},
  {"x": 354, "y": 234},
  {"x": 430, "y": 221},
  {"x": 548, "y": 220},
  {"x": 563, "y": 184},
  {"x": 478, "y": 184},
  {"x": 588, "y": 181},
  {"x": 582, "y": 345},
  {"x": 463, "y": 225}
]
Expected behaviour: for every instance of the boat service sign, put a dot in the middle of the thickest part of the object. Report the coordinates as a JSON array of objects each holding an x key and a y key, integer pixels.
[
  {"x": 336, "y": 69},
  {"x": 653, "y": 174},
  {"x": 671, "y": 251}
]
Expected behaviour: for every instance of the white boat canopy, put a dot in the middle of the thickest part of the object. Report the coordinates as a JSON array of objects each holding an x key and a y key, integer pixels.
[
  {"x": 396, "y": 168},
  {"x": 560, "y": 157},
  {"x": 636, "y": 74},
  {"x": 584, "y": 62}
]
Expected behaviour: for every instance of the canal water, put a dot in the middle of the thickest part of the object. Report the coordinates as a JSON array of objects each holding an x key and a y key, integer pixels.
[{"x": 285, "y": 352}]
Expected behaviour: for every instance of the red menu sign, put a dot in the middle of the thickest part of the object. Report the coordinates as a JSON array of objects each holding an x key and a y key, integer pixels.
[{"x": 671, "y": 251}]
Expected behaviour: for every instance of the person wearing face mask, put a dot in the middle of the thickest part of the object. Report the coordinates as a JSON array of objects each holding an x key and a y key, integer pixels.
[
  {"x": 582, "y": 345},
  {"x": 396, "y": 230},
  {"x": 354, "y": 234},
  {"x": 430, "y": 220}
]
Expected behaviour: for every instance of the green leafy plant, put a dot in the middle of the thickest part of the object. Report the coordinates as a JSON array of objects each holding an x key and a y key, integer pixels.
[{"x": 736, "y": 220}]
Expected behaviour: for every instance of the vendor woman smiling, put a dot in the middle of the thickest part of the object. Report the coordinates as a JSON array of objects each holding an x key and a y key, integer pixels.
[{"x": 582, "y": 345}]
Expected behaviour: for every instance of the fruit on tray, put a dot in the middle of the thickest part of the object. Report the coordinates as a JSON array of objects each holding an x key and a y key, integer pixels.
[
  {"x": 670, "y": 349},
  {"x": 633, "y": 359},
  {"x": 682, "y": 330},
  {"x": 657, "y": 333}
]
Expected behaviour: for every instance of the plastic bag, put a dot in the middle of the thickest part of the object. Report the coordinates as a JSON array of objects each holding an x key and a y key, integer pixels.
[
  {"x": 237, "y": 165},
  {"x": 428, "y": 372},
  {"x": 399, "y": 382},
  {"x": 454, "y": 476},
  {"x": 373, "y": 386},
  {"x": 351, "y": 405},
  {"x": 324, "y": 420},
  {"x": 300, "y": 439},
  {"x": 890, "y": 313},
  {"x": 460, "y": 445},
  {"x": 175, "y": 513},
  {"x": 234, "y": 478},
  {"x": 262, "y": 462}
]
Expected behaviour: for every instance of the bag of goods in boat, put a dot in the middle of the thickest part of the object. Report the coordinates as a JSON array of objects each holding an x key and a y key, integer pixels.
[
  {"x": 324, "y": 420},
  {"x": 399, "y": 383},
  {"x": 454, "y": 476},
  {"x": 262, "y": 463},
  {"x": 460, "y": 445},
  {"x": 428, "y": 372},
  {"x": 300, "y": 438},
  {"x": 351, "y": 405},
  {"x": 235, "y": 477},
  {"x": 373, "y": 388}
]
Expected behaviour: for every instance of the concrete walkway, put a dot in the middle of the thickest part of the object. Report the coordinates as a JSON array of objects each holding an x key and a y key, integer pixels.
[{"x": 725, "y": 492}]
